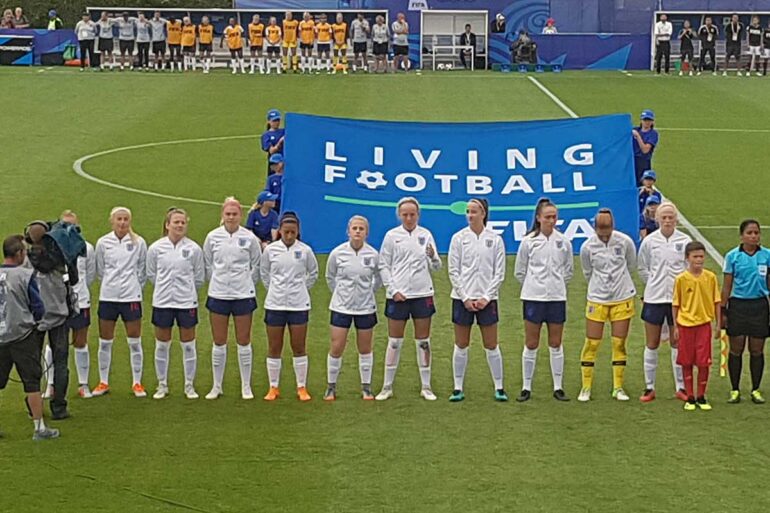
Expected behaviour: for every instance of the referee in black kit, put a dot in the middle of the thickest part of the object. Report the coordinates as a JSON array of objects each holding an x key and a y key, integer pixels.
[
  {"x": 21, "y": 344},
  {"x": 734, "y": 32}
]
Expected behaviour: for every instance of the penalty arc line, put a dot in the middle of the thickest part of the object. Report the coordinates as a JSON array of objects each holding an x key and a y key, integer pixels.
[
  {"x": 77, "y": 166},
  {"x": 685, "y": 222}
]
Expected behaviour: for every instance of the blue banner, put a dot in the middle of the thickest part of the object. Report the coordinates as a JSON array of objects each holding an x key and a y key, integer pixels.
[{"x": 336, "y": 168}]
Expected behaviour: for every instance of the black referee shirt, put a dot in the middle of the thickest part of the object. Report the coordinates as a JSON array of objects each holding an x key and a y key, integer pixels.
[
  {"x": 755, "y": 35},
  {"x": 734, "y": 33},
  {"x": 708, "y": 36},
  {"x": 766, "y": 38}
]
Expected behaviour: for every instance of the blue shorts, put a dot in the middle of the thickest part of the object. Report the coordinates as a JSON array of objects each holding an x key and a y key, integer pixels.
[
  {"x": 281, "y": 318},
  {"x": 658, "y": 314},
  {"x": 111, "y": 310},
  {"x": 486, "y": 317},
  {"x": 362, "y": 322},
  {"x": 165, "y": 317},
  {"x": 81, "y": 320},
  {"x": 549, "y": 312},
  {"x": 417, "y": 308},
  {"x": 234, "y": 307}
]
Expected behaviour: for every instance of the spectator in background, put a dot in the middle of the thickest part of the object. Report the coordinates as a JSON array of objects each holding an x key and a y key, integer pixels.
[
  {"x": 19, "y": 20},
  {"x": 7, "y": 21},
  {"x": 498, "y": 25},
  {"x": 274, "y": 183},
  {"x": 550, "y": 27},
  {"x": 273, "y": 137},
  {"x": 708, "y": 34},
  {"x": 648, "y": 190},
  {"x": 686, "y": 49},
  {"x": 400, "y": 31},
  {"x": 54, "y": 22},
  {"x": 645, "y": 139},
  {"x": 663, "y": 31},
  {"x": 733, "y": 37},
  {"x": 648, "y": 222},
  {"x": 467, "y": 38}
]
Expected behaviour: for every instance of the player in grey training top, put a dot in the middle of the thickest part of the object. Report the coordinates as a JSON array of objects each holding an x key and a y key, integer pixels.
[
  {"x": 158, "y": 39},
  {"x": 359, "y": 30},
  {"x": 126, "y": 39},
  {"x": 380, "y": 38},
  {"x": 400, "y": 30},
  {"x": 86, "y": 34},
  {"x": 106, "y": 36},
  {"x": 143, "y": 36}
]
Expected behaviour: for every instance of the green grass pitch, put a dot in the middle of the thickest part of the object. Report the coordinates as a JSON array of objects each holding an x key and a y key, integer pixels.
[{"x": 122, "y": 454}]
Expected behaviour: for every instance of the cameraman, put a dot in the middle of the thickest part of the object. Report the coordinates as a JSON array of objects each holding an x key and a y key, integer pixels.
[
  {"x": 20, "y": 343},
  {"x": 524, "y": 49}
]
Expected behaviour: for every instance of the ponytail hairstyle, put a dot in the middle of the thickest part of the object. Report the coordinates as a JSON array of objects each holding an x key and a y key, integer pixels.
[
  {"x": 541, "y": 204},
  {"x": 169, "y": 213},
  {"x": 605, "y": 210},
  {"x": 290, "y": 217},
  {"x": 746, "y": 223},
  {"x": 359, "y": 218},
  {"x": 484, "y": 204},
  {"x": 405, "y": 200},
  {"x": 125, "y": 210}
]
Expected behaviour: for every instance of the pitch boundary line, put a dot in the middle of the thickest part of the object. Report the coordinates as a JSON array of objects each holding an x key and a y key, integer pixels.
[
  {"x": 685, "y": 222},
  {"x": 77, "y": 166}
]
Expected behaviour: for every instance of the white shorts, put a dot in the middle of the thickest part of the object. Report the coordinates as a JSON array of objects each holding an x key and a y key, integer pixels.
[
  {"x": 755, "y": 50},
  {"x": 767, "y": 53}
]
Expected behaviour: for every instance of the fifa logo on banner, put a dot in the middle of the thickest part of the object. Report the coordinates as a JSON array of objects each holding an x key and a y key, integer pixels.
[{"x": 418, "y": 5}]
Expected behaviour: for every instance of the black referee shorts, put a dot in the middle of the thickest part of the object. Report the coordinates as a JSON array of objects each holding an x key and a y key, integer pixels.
[{"x": 25, "y": 355}]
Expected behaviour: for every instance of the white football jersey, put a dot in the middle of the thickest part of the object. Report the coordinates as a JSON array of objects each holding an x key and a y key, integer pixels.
[
  {"x": 405, "y": 266},
  {"x": 86, "y": 276},
  {"x": 607, "y": 267},
  {"x": 353, "y": 277},
  {"x": 177, "y": 271},
  {"x": 121, "y": 267},
  {"x": 476, "y": 264},
  {"x": 288, "y": 274},
  {"x": 544, "y": 266},
  {"x": 660, "y": 261},
  {"x": 232, "y": 263}
]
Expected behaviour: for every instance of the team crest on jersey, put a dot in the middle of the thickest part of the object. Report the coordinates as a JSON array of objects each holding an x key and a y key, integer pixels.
[
  {"x": 243, "y": 242},
  {"x": 297, "y": 255},
  {"x": 185, "y": 253},
  {"x": 559, "y": 244},
  {"x": 367, "y": 261},
  {"x": 421, "y": 240},
  {"x": 129, "y": 247},
  {"x": 679, "y": 246},
  {"x": 489, "y": 243},
  {"x": 618, "y": 251}
]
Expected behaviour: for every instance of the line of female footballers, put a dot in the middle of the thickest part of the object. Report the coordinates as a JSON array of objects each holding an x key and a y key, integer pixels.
[{"x": 233, "y": 260}]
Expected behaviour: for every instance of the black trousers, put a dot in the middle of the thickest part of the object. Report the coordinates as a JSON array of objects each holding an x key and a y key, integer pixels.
[
  {"x": 663, "y": 50},
  {"x": 57, "y": 339},
  {"x": 144, "y": 54},
  {"x": 86, "y": 48},
  {"x": 462, "y": 57},
  {"x": 712, "y": 53}
]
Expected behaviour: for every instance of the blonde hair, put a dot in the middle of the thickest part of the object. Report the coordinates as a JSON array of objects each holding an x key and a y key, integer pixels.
[
  {"x": 666, "y": 205},
  {"x": 405, "y": 200},
  {"x": 126, "y": 210},
  {"x": 70, "y": 213},
  {"x": 358, "y": 218},
  {"x": 230, "y": 200},
  {"x": 171, "y": 211}
]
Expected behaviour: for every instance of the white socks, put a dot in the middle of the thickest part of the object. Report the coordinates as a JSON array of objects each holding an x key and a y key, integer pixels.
[
  {"x": 528, "y": 360},
  {"x": 365, "y": 364},
  {"x": 252, "y": 64},
  {"x": 190, "y": 361},
  {"x": 423, "y": 360},
  {"x": 557, "y": 366},
  {"x": 218, "y": 359},
  {"x": 392, "y": 355},
  {"x": 650, "y": 367},
  {"x": 495, "y": 362},
  {"x": 678, "y": 374},
  {"x": 244, "y": 365},
  {"x": 105, "y": 358},
  {"x": 48, "y": 356},
  {"x": 137, "y": 358},
  {"x": 162, "y": 352},
  {"x": 459, "y": 363},
  {"x": 82, "y": 364},
  {"x": 333, "y": 366},
  {"x": 300, "y": 370},
  {"x": 274, "y": 371}
]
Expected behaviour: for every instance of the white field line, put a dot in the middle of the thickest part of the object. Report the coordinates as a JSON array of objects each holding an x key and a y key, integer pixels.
[{"x": 682, "y": 219}]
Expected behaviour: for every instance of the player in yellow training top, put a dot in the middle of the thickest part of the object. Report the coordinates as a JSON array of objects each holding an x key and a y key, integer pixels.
[
  {"x": 188, "y": 44},
  {"x": 306, "y": 40},
  {"x": 273, "y": 36},
  {"x": 324, "y": 35},
  {"x": 340, "y": 30},
  {"x": 174, "y": 39},
  {"x": 256, "y": 42},
  {"x": 234, "y": 35},
  {"x": 205, "y": 40},
  {"x": 290, "y": 26}
]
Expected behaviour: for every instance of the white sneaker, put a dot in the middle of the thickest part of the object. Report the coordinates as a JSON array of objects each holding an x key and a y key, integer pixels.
[
  {"x": 48, "y": 392},
  {"x": 585, "y": 395},
  {"x": 681, "y": 73},
  {"x": 428, "y": 394},
  {"x": 251, "y": 72},
  {"x": 724, "y": 73},
  {"x": 84, "y": 392},
  {"x": 246, "y": 393},
  {"x": 699, "y": 73},
  {"x": 235, "y": 71},
  {"x": 690, "y": 73},
  {"x": 620, "y": 394},
  {"x": 215, "y": 393},
  {"x": 385, "y": 394},
  {"x": 714, "y": 73},
  {"x": 740, "y": 73},
  {"x": 161, "y": 393},
  {"x": 205, "y": 72},
  {"x": 758, "y": 74},
  {"x": 189, "y": 391}
]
